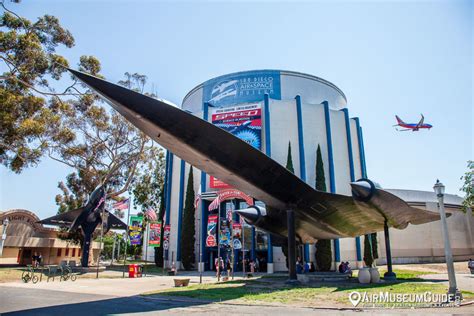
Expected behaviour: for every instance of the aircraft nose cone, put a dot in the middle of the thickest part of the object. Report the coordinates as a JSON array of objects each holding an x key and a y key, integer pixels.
[
  {"x": 251, "y": 215},
  {"x": 361, "y": 190}
]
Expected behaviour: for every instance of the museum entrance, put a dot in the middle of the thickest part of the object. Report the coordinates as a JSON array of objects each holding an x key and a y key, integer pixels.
[{"x": 253, "y": 243}]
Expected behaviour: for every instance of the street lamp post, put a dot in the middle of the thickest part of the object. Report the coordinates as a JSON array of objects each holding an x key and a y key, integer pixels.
[
  {"x": 453, "y": 290},
  {"x": 4, "y": 235}
]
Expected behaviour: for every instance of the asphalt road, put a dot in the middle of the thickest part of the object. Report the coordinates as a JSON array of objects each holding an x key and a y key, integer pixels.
[
  {"x": 89, "y": 297},
  {"x": 22, "y": 301}
]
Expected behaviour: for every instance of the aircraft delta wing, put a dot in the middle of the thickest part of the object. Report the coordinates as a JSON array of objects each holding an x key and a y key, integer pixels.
[
  {"x": 318, "y": 215},
  {"x": 73, "y": 220}
]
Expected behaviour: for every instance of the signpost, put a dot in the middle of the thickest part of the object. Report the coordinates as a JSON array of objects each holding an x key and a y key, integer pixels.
[
  {"x": 126, "y": 240},
  {"x": 219, "y": 243}
]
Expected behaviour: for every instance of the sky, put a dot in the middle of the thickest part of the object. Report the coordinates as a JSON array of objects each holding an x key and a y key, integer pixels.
[{"x": 389, "y": 58}]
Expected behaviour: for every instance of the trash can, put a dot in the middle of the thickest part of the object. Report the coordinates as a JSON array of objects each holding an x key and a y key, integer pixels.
[
  {"x": 139, "y": 270},
  {"x": 132, "y": 270}
]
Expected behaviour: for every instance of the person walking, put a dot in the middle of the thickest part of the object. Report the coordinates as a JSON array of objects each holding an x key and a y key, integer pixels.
[
  {"x": 216, "y": 265},
  {"x": 34, "y": 259},
  {"x": 228, "y": 267}
]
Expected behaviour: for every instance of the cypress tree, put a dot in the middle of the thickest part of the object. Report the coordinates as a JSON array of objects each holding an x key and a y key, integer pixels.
[
  {"x": 323, "y": 246},
  {"x": 289, "y": 166},
  {"x": 161, "y": 215},
  {"x": 375, "y": 251},
  {"x": 187, "y": 238},
  {"x": 289, "y": 159},
  {"x": 368, "y": 255},
  {"x": 320, "y": 178}
]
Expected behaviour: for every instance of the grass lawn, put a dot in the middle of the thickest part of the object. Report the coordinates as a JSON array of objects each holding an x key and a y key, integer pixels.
[
  {"x": 274, "y": 290},
  {"x": 10, "y": 274}
]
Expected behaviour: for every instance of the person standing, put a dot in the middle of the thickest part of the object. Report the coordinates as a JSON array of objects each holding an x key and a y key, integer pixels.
[
  {"x": 252, "y": 266},
  {"x": 34, "y": 259},
  {"x": 229, "y": 267}
]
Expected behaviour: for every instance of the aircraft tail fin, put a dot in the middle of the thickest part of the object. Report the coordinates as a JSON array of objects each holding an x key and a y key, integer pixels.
[{"x": 399, "y": 120}]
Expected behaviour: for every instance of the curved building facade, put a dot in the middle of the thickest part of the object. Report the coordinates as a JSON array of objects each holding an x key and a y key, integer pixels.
[{"x": 270, "y": 109}]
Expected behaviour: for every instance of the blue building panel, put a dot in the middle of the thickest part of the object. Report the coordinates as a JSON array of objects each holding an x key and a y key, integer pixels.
[{"x": 249, "y": 86}]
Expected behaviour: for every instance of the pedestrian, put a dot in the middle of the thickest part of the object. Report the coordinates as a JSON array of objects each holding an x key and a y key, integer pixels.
[
  {"x": 216, "y": 264},
  {"x": 34, "y": 259},
  {"x": 221, "y": 265},
  {"x": 252, "y": 266},
  {"x": 299, "y": 266},
  {"x": 229, "y": 267},
  {"x": 306, "y": 267},
  {"x": 348, "y": 269},
  {"x": 173, "y": 268},
  {"x": 39, "y": 259}
]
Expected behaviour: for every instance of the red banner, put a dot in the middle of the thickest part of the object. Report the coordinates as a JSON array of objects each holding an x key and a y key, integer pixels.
[
  {"x": 154, "y": 239},
  {"x": 211, "y": 231},
  {"x": 243, "y": 121}
]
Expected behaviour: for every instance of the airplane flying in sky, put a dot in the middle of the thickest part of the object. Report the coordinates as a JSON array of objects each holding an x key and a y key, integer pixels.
[{"x": 412, "y": 126}]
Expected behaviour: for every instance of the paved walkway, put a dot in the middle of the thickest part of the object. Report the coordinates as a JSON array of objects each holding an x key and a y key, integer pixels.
[
  {"x": 464, "y": 281},
  {"x": 115, "y": 287},
  {"x": 38, "y": 302},
  {"x": 121, "y": 296}
]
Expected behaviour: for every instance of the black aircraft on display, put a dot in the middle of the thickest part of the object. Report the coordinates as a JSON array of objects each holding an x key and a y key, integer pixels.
[
  {"x": 87, "y": 218},
  {"x": 294, "y": 211}
]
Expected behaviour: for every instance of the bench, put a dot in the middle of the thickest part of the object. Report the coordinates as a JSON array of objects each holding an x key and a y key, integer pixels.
[
  {"x": 181, "y": 282},
  {"x": 52, "y": 272}
]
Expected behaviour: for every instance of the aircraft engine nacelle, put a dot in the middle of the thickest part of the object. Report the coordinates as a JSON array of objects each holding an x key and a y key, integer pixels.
[
  {"x": 252, "y": 214},
  {"x": 363, "y": 190}
]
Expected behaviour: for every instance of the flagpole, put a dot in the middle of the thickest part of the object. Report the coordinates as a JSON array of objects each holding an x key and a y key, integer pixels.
[
  {"x": 243, "y": 248},
  {"x": 126, "y": 238},
  {"x": 218, "y": 242},
  {"x": 232, "y": 236},
  {"x": 101, "y": 237},
  {"x": 146, "y": 249},
  {"x": 200, "y": 241}
]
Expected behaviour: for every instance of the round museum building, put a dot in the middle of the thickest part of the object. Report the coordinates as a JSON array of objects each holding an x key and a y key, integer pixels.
[{"x": 288, "y": 114}]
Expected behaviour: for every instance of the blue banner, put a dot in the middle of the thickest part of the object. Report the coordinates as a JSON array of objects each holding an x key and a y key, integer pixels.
[{"x": 242, "y": 87}]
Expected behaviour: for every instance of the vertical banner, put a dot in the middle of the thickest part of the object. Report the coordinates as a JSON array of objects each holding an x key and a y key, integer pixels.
[
  {"x": 135, "y": 230},
  {"x": 236, "y": 235},
  {"x": 244, "y": 122},
  {"x": 224, "y": 238},
  {"x": 154, "y": 239},
  {"x": 166, "y": 237},
  {"x": 211, "y": 231}
]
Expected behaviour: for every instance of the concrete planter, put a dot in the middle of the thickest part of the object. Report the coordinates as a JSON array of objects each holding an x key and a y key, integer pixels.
[
  {"x": 364, "y": 276},
  {"x": 374, "y": 275}
]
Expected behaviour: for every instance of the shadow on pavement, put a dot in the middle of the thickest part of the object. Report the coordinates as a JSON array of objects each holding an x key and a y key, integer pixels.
[
  {"x": 170, "y": 299},
  {"x": 132, "y": 304}
]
